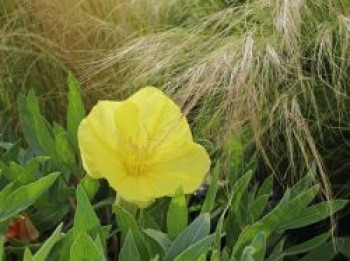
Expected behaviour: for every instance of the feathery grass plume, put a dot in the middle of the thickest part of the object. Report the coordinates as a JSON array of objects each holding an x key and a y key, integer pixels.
[{"x": 280, "y": 67}]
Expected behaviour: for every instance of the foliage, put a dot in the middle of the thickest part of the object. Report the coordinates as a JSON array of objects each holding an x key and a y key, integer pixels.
[
  {"x": 280, "y": 67},
  {"x": 234, "y": 221}
]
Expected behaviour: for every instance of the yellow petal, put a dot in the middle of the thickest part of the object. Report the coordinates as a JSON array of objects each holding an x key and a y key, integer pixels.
[
  {"x": 161, "y": 120},
  {"x": 132, "y": 189},
  {"x": 126, "y": 119},
  {"x": 98, "y": 142},
  {"x": 183, "y": 166}
]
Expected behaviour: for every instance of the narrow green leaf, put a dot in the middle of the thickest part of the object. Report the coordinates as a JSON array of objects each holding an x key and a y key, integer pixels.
[
  {"x": 41, "y": 129},
  {"x": 161, "y": 238},
  {"x": 25, "y": 196},
  {"x": 27, "y": 256},
  {"x": 215, "y": 256},
  {"x": 177, "y": 216},
  {"x": 239, "y": 189},
  {"x": 301, "y": 186},
  {"x": 276, "y": 254},
  {"x": 129, "y": 251},
  {"x": 5, "y": 192},
  {"x": 308, "y": 245},
  {"x": 248, "y": 254},
  {"x": 257, "y": 207},
  {"x": 283, "y": 213},
  {"x": 196, "y": 231},
  {"x": 30, "y": 168},
  {"x": 266, "y": 188},
  {"x": 326, "y": 252},
  {"x": 100, "y": 243},
  {"x": 84, "y": 249},
  {"x": 85, "y": 219},
  {"x": 75, "y": 110},
  {"x": 65, "y": 155},
  {"x": 90, "y": 186},
  {"x": 126, "y": 222},
  {"x": 2, "y": 249},
  {"x": 219, "y": 228},
  {"x": 66, "y": 246},
  {"x": 197, "y": 250},
  {"x": 209, "y": 202},
  {"x": 28, "y": 126},
  {"x": 46, "y": 248},
  {"x": 235, "y": 216},
  {"x": 259, "y": 244},
  {"x": 235, "y": 156},
  {"x": 314, "y": 214},
  {"x": 343, "y": 245},
  {"x": 11, "y": 153}
]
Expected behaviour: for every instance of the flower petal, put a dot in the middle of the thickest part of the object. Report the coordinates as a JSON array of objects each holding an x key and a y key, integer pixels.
[
  {"x": 161, "y": 120},
  {"x": 132, "y": 189},
  {"x": 98, "y": 142},
  {"x": 126, "y": 119},
  {"x": 183, "y": 166}
]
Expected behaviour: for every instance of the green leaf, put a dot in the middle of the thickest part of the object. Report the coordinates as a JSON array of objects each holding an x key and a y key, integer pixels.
[
  {"x": 85, "y": 219},
  {"x": 197, "y": 250},
  {"x": 84, "y": 249},
  {"x": 308, "y": 245},
  {"x": 129, "y": 251},
  {"x": 248, "y": 254},
  {"x": 147, "y": 220},
  {"x": 177, "y": 217},
  {"x": 2, "y": 249},
  {"x": 30, "y": 168},
  {"x": 314, "y": 214},
  {"x": 234, "y": 219},
  {"x": 257, "y": 207},
  {"x": 5, "y": 192},
  {"x": 28, "y": 126},
  {"x": 65, "y": 155},
  {"x": 219, "y": 228},
  {"x": 45, "y": 249},
  {"x": 259, "y": 244},
  {"x": 11, "y": 153},
  {"x": 66, "y": 245},
  {"x": 25, "y": 196},
  {"x": 197, "y": 230},
  {"x": 48, "y": 217},
  {"x": 276, "y": 254},
  {"x": 283, "y": 213},
  {"x": 27, "y": 256},
  {"x": 101, "y": 248},
  {"x": 90, "y": 186},
  {"x": 209, "y": 202},
  {"x": 34, "y": 126},
  {"x": 126, "y": 222},
  {"x": 266, "y": 188},
  {"x": 300, "y": 186},
  {"x": 239, "y": 189},
  {"x": 236, "y": 156},
  {"x": 214, "y": 256},
  {"x": 75, "y": 110},
  {"x": 326, "y": 252},
  {"x": 254, "y": 251},
  {"x": 161, "y": 238}
]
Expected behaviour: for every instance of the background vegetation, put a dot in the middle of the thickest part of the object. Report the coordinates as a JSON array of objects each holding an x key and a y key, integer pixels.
[{"x": 275, "y": 73}]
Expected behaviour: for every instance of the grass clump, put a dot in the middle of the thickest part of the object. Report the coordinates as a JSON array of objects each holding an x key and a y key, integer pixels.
[{"x": 278, "y": 67}]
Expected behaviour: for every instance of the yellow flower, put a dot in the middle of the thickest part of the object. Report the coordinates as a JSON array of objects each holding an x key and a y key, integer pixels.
[{"x": 143, "y": 146}]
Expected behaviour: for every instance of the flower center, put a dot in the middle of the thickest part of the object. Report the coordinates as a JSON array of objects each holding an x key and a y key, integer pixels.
[{"x": 137, "y": 160}]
